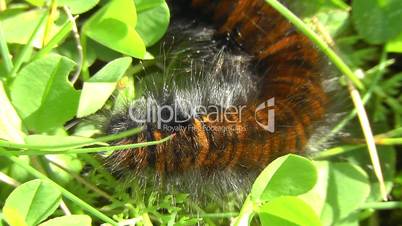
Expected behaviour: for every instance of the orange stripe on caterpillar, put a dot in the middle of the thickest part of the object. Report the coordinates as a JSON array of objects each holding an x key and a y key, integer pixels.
[{"x": 285, "y": 65}]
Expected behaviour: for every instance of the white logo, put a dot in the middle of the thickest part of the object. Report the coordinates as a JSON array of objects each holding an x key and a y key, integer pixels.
[
  {"x": 269, "y": 104},
  {"x": 149, "y": 111}
]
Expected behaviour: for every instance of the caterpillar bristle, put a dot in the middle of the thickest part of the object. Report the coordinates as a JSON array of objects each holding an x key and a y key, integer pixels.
[{"x": 248, "y": 63}]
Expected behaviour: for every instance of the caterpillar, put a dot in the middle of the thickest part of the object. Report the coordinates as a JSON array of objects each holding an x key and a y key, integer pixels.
[{"x": 236, "y": 84}]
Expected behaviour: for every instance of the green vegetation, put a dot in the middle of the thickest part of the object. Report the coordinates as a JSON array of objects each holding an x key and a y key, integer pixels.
[{"x": 50, "y": 78}]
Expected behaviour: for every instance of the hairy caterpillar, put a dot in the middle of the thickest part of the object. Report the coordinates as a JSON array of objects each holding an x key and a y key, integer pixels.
[{"x": 238, "y": 89}]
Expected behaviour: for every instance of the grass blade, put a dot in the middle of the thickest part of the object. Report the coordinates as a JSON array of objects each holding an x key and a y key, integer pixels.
[
  {"x": 368, "y": 134},
  {"x": 5, "y": 53}
]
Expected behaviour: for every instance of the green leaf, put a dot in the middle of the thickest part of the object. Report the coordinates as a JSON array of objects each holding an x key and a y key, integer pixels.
[
  {"x": 13, "y": 170},
  {"x": 31, "y": 203},
  {"x": 288, "y": 211},
  {"x": 348, "y": 188},
  {"x": 10, "y": 122},
  {"x": 86, "y": 129},
  {"x": 311, "y": 7},
  {"x": 101, "y": 52},
  {"x": 100, "y": 87},
  {"x": 317, "y": 195},
  {"x": 395, "y": 45},
  {"x": 78, "y": 6},
  {"x": 388, "y": 157},
  {"x": 377, "y": 21},
  {"x": 43, "y": 96},
  {"x": 76, "y": 220},
  {"x": 113, "y": 26},
  {"x": 289, "y": 175},
  {"x": 352, "y": 220},
  {"x": 19, "y": 27},
  {"x": 341, "y": 4},
  {"x": 333, "y": 20},
  {"x": 36, "y": 2},
  {"x": 153, "y": 20}
]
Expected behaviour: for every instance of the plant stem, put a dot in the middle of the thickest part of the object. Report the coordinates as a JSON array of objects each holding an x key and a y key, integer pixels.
[
  {"x": 5, "y": 53},
  {"x": 65, "y": 192},
  {"x": 246, "y": 213},
  {"x": 85, "y": 71},
  {"x": 77, "y": 42},
  {"x": 392, "y": 133},
  {"x": 382, "y": 205},
  {"x": 379, "y": 72},
  {"x": 342, "y": 66},
  {"x": 86, "y": 150},
  {"x": 140, "y": 67},
  {"x": 8, "y": 180},
  {"x": 217, "y": 215},
  {"x": 336, "y": 151},
  {"x": 107, "y": 138},
  {"x": 50, "y": 20},
  {"x": 146, "y": 220},
  {"x": 368, "y": 134},
  {"x": 389, "y": 141}
]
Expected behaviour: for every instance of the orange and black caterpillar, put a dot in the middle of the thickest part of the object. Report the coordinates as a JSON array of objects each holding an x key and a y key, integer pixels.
[{"x": 241, "y": 58}]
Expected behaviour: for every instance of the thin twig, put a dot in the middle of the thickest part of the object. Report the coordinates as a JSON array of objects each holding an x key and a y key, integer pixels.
[
  {"x": 217, "y": 215},
  {"x": 8, "y": 180},
  {"x": 246, "y": 213},
  {"x": 379, "y": 72},
  {"x": 64, "y": 208},
  {"x": 362, "y": 115},
  {"x": 378, "y": 140},
  {"x": 368, "y": 134},
  {"x": 77, "y": 42},
  {"x": 335, "y": 151},
  {"x": 382, "y": 205}
]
